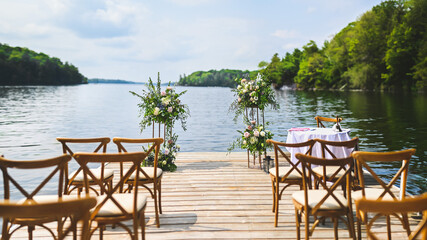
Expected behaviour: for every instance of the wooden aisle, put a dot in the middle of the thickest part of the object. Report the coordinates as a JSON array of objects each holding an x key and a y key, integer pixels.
[{"x": 215, "y": 196}]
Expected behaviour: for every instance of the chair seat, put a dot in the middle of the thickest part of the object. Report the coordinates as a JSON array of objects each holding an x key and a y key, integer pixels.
[
  {"x": 372, "y": 194},
  {"x": 283, "y": 170},
  {"x": 330, "y": 170},
  {"x": 97, "y": 172},
  {"x": 149, "y": 171},
  {"x": 314, "y": 197},
  {"x": 110, "y": 209}
]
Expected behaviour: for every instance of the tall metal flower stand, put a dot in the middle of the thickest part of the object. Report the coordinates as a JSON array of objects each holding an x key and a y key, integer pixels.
[
  {"x": 257, "y": 115},
  {"x": 159, "y": 127}
]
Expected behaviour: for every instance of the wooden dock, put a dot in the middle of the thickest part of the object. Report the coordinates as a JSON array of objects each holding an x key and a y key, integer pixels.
[{"x": 216, "y": 196}]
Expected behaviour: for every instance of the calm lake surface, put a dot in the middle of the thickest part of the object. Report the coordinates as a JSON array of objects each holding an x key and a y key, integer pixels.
[{"x": 32, "y": 117}]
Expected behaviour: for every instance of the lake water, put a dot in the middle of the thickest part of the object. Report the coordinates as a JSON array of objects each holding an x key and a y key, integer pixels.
[{"x": 32, "y": 117}]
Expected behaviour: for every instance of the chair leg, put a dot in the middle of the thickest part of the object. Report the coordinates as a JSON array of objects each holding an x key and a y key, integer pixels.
[
  {"x": 388, "y": 226},
  {"x": 30, "y": 232},
  {"x": 4, "y": 232},
  {"x": 276, "y": 205},
  {"x": 350, "y": 221},
  {"x": 359, "y": 230},
  {"x": 274, "y": 195},
  {"x": 156, "y": 208},
  {"x": 406, "y": 223},
  {"x": 135, "y": 227},
  {"x": 160, "y": 196},
  {"x": 101, "y": 232},
  {"x": 298, "y": 223},
  {"x": 335, "y": 220},
  {"x": 307, "y": 224}
]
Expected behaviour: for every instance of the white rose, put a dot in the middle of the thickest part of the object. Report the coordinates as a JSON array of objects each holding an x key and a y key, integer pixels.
[
  {"x": 165, "y": 101},
  {"x": 253, "y": 140},
  {"x": 262, "y": 133},
  {"x": 156, "y": 111},
  {"x": 244, "y": 142}
]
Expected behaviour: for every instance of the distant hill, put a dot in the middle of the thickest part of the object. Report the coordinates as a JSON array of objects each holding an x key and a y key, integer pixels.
[
  {"x": 100, "y": 80},
  {"x": 22, "y": 66},
  {"x": 220, "y": 78}
]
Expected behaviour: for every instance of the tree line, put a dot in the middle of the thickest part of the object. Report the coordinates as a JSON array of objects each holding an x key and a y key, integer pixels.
[
  {"x": 386, "y": 48},
  {"x": 21, "y": 66},
  {"x": 221, "y": 78}
]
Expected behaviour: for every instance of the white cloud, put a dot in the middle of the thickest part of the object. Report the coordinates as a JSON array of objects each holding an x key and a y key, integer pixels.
[
  {"x": 133, "y": 40},
  {"x": 190, "y": 2},
  {"x": 291, "y": 46},
  {"x": 285, "y": 34},
  {"x": 311, "y": 9}
]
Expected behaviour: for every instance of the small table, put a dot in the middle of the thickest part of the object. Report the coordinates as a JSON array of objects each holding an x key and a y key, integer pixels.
[{"x": 297, "y": 135}]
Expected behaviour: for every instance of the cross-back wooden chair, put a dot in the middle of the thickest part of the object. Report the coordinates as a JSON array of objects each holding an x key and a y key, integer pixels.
[
  {"x": 75, "y": 209},
  {"x": 150, "y": 175},
  {"x": 387, "y": 208},
  {"x": 74, "y": 180},
  {"x": 114, "y": 207},
  {"x": 320, "y": 120},
  {"x": 329, "y": 174},
  {"x": 55, "y": 171},
  {"x": 327, "y": 202},
  {"x": 291, "y": 175},
  {"x": 384, "y": 191}
]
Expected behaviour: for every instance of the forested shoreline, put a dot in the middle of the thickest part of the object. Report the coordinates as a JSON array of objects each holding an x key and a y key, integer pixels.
[
  {"x": 221, "y": 78},
  {"x": 21, "y": 66},
  {"x": 386, "y": 48}
]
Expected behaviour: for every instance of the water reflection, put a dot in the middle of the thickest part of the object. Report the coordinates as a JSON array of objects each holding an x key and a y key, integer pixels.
[{"x": 32, "y": 117}]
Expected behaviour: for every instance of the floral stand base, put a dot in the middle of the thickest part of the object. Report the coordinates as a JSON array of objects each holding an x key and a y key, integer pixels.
[{"x": 254, "y": 161}]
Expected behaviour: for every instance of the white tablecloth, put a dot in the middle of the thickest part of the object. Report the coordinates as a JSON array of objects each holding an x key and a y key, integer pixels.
[{"x": 322, "y": 133}]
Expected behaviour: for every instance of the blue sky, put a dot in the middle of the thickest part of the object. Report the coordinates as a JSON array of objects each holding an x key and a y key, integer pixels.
[{"x": 135, "y": 39}]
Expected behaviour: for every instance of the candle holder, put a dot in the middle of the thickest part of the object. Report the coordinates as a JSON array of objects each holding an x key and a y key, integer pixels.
[{"x": 268, "y": 163}]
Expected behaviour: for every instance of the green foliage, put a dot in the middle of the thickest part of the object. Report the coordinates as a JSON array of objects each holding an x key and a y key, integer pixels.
[
  {"x": 253, "y": 94},
  {"x": 21, "y": 66},
  {"x": 221, "y": 78},
  {"x": 161, "y": 106},
  {"x": 386, "y": 48},
  {"x": 253, "y": 138},
  {"x": 167, "y": 156}
]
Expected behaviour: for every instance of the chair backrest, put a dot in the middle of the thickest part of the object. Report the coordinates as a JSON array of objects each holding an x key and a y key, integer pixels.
[
  {"x": 135, "y": 159},
  {"x": 345, "y": 165},
  {"x": 362, "y": 159},
  {"x": 77, "y": 209},
  {"x": 153, "y": 147},
  {"x": 331, "y": 148},
  {"x": 278, "y": 148},
  {"x": 97, "y": 143},
  {"x": 328, "y": 146},
  {"x": 54, "y": 166},
  {"x": 387, "y": 208},
  {"x": 320, "y": 119}
]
